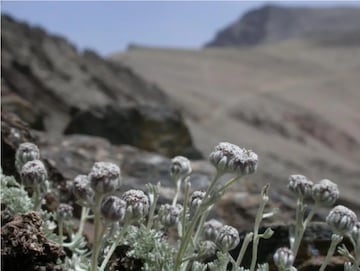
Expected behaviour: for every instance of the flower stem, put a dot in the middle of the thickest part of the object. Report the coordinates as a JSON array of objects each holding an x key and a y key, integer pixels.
[
  {"x": 335, "y": 240},
  {"x": 83, "y": 218},
  {"x": 96, "y": 243},
  {"x": 185, "y": 239},
  {"x": 61, "y": 231},
  {"x": 114, "y": 245},
  {"x": 258, "y": 219},
  {"x": 244, "y": 246},
  {"x": 301, "y": 226},
  {"x": 37, "y": 198}
]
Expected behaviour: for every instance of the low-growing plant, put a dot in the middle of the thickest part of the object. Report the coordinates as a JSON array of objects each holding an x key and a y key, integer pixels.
[{"x": 136, "y": 221}]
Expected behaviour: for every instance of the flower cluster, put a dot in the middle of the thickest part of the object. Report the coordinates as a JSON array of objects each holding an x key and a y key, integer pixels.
[{"x": 230, "y": 158}]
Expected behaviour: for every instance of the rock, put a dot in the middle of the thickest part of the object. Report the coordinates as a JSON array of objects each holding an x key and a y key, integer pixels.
[
  {"x": 274, "y": 23},
  {"x": 25, "y": 247},
  {"x": 47, "y": 82},
  {"x": 152, "y": 128}
]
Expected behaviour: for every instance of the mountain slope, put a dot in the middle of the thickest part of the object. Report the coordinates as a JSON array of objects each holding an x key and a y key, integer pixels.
[{"x": 295, "y": 103}]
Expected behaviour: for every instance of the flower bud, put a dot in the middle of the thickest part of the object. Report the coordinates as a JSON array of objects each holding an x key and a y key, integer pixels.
[
  {"x": 169, "y": 215},
  {"x": 230, "y": 158},
  {"x": 283, "y": 258},
  {"x": 195, "y": 200},
  {"x": 104, "y": 177},
  {"x": 228, "y": 238},
  {"x": 33, "y": 173},
  {"x": 206, "y": 249},
  {"x": 137, "y": 204},
  {"x": 300, "y": 185},
  {"x": 180, "y": 167},
  {"x": 325, "y": 192},
  {"x": 26, "y": 152},
  {"x": 113, "y": 208},
  {"x": 82, "y": 189},
  {"x": 64, "y": 211},
  {"x": 211, "y": 229},
  {"x": 341, "y": 220}
]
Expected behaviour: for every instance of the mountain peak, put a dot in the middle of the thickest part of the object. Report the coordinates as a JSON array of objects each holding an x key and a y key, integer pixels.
[{"x": 272, "y": 23}]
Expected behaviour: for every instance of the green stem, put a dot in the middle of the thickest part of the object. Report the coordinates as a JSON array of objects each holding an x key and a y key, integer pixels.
[
  {"x": 96, "y": 244},
  {"x": 178, "y": 190},
  {"x": 244, "y": 246},
  {"x": 201, "y": 224},
  {"x": 185, "y": 240},
  {"x": 256, "y": 233},
  {"x": 301, "y": 229},
  {"x": 152, "y": 211},
  {"x": 37, "y": 198},
  {"x": 183, "y": 217},
  {"x": 335, "y": 240},
  {"x": 83, "y": 218},
  {"x": 229, "y": 183},
  {"x": 113, "y": 246},
  {"x": 61, "y": 231}
]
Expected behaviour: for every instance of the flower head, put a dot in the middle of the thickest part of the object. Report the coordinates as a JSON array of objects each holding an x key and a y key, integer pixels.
[
  {"x": 113, "y": 208},
  {"x": 300, "y": 185},
  {"x": 228, "y": 238},
  {"x": 341, "y": 220},
  {"x": 104, "y": 177},
  {"x": 180, "y": 167},
  {"x": 26, "y": 152},
  {"x": 196, "y": 199},
  {"x": 230, "y": 158},
  {"x": 211, "y": 229},
  {"x": 206, "y": 248},
  {"x": 137, "y": 204},
  {"x": 169, "y": 215},
  {"x": 284, "y": 258},
  {"x": 64, "y": 211},
  {"x": 33, "y": 173},
  {"x": 325, "y": 192},
  {"x": 82, "y": 189}
]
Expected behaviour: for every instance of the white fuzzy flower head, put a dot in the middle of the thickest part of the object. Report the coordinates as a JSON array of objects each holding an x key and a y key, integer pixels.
[
  {"x": 169, "y": 215},
  {"x": 64, "y": 211},
  {"x": 230, "y": 158},
  {"x": 228, "y": 238},
  {"x": 33, "y": 173},
  {"x": 137, "y": 204},
  {"x": 325, "y": 193},
  {"x": 104, "y": 177},
  {"x": 206, "y": 248},
  {"x": 180, "y": 167},
  {"x": 82, "y": 189},
  {"x": 195, "y": 200},
  {"x": 113, "y": 209},
  {"x": 211, "y": 229},
  {"x": 341, "y": 220},
  {"x": 283, "y": 258},
  {"x": 26, "y": 152},
  {"x": 300, "y": 185}
]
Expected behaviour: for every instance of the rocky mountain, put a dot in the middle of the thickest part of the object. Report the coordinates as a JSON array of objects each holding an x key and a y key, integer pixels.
[
  {"x": 295, "y": 103},
  {"x": 274, "y": 23},
  {"x": 52, "y": 86}
]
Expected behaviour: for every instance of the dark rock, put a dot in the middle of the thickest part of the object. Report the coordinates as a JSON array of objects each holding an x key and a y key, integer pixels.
[
  {"x": 331, "y": 26},
  {"x": 153, "y": 128},
  {"x": 46, "y": 81},
  {"x": 25, "y": 247}
]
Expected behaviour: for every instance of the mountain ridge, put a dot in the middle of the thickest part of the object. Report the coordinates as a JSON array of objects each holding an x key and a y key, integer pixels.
[{"x": 273, "y": 23}]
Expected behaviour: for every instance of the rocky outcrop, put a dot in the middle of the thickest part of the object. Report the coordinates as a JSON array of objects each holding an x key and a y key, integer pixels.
[
  {"x": 153, "y": 128},
  {"x": 47, "y": 82},
  {"x": 275, "y": 23}
]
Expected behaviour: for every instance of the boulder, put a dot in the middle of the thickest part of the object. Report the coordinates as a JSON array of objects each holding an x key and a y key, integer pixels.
[{"x": 54, "y": 87}]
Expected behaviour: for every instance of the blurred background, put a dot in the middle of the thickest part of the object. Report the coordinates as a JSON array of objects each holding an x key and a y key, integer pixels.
[{"x": 140, "y": 82}]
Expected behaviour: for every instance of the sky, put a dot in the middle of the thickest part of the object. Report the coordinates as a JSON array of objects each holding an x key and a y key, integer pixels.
[{"x": 109, "y": 27}]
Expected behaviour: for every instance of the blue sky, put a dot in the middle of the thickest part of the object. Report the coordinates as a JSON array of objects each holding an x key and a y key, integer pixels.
[{"x": 108, "y": 27}]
